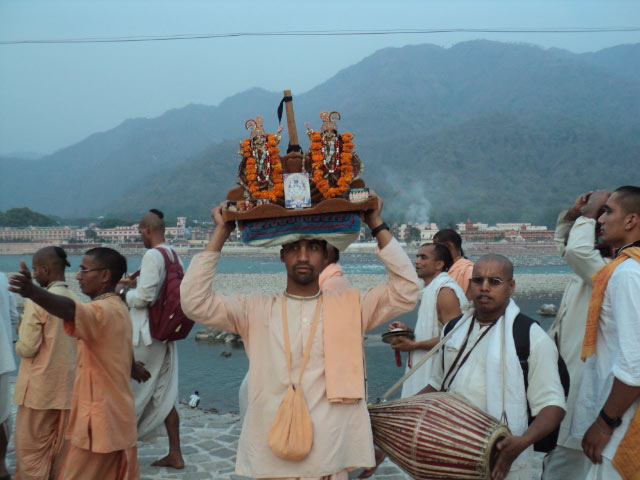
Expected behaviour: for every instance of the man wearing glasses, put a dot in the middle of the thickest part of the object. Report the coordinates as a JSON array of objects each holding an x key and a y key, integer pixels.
[
  {"x": 102, "y": 424},
  {"x": 479, "y": 362}
]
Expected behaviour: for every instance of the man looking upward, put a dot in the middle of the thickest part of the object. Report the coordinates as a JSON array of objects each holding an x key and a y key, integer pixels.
[
  {"x": 102, "y": 423},
  {"x": 442, "y": 299},
  {"x": 156, "y": 399},
  {"x": 606, "y": 411},
  {"x": 333, "y": 380},
  {"x": 462, "y": 268},
  {"x": 46, "y": 375}
]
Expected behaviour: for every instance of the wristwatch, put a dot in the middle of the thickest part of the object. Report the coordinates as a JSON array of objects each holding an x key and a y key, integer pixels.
[
  {"x": 611, "y": 422},
  {"x": 379, "y": 228}
]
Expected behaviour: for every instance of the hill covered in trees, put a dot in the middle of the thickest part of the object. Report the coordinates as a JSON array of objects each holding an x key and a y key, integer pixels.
[
  {"x": 484, "y": 130},
  {"x": 24, "y": 217}
]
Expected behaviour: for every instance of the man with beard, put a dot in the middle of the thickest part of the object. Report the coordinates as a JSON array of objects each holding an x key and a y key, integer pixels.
[
  {"x": 46, "y": 375},
  {"x": 324, "y": 327}
]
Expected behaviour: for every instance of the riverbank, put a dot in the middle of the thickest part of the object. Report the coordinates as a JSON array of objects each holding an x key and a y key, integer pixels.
[{"x": 527, "y": 284}]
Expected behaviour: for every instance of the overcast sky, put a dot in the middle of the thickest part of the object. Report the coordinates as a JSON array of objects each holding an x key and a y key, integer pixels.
[{"x": 54, "y": 95}]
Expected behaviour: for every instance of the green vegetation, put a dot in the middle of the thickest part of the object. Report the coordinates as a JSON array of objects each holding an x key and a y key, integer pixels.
[
  {"x": 483, "y": 130},
  {"x": 24, "y": 217}
]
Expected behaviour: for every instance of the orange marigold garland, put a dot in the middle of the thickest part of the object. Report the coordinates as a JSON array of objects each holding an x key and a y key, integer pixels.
[
  {"x": 320, "y": 169},
  {"x": 274, "y": 168}
]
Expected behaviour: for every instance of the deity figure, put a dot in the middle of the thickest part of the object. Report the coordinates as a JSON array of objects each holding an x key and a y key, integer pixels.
[
  {"x": 331, "y": 161},
  {"x": 260, "y": 172}
]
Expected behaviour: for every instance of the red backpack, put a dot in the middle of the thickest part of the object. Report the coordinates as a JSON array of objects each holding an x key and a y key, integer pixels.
[{"x": 167, "y": 321}]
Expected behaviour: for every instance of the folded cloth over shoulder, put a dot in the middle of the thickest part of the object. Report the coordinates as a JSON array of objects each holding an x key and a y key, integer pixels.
[{"x": 343, "y": 351}]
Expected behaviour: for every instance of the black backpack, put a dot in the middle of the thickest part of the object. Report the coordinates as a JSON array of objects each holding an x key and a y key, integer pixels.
[{"x": 521, "y": 326}]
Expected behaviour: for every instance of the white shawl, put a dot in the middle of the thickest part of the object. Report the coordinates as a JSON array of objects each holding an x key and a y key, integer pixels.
[
  {"x": 510, "y": 381},
  {"x": 428, "y": 327}
]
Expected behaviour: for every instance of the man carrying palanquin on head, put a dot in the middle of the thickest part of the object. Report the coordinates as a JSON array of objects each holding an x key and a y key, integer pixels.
[
  {"x": 606, "y": 415},
  {"x": 46, "y": 375},
  {"x": 327, "y": 326},
  {"x": 462, "y": 268},
  {"x": 102, "y": 423}
]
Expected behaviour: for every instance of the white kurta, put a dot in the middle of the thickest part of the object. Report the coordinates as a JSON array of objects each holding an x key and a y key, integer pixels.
[
  {"x": 8, "y": 318},
  {"x": 428, "y": 326},
  {"x": 479, "y": 379},
  {"x": 156, "y": 397},
  {"x": 342, "y": 434},
  {"x": 568, "y": 328},
  {"x": 617, "y": 354}
]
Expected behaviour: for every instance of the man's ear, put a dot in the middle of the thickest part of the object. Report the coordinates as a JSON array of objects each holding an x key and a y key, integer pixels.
[
  {"x": 632, "y": 221},
  {"x": 440, "y": 265},
  {"x": 105, "y": 276}
]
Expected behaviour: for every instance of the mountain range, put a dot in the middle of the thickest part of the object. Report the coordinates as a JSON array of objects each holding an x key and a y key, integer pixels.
[{"x": 482, "y": 130}]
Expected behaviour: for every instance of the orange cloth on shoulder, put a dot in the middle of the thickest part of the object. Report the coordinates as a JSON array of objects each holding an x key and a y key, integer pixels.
[
  {"x": 343, "y": 350},
  {"x": 626, "y": 460}
]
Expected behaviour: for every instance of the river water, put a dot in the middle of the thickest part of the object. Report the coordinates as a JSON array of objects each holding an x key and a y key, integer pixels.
[{"x": 217, "y": 378}]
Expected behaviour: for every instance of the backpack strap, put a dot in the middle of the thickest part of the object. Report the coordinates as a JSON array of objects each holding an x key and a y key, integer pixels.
[
  {"x": 167, "y": 260},
  {"x": 521, "y": 326},
  {"x": 447, "y": 328}
]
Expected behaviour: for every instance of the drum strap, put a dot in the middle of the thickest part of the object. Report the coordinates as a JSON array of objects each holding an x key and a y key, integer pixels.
[{"x": 464, "y": 359}]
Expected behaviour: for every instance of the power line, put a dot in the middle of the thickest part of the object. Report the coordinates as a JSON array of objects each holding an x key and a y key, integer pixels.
[{"x": 311, "y": 33}]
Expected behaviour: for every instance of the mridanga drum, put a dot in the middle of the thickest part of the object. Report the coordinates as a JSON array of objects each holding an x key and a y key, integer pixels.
[{"x": 437, "y": 436}]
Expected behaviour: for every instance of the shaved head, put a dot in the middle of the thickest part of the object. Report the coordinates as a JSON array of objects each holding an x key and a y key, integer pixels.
[
  {"x": 54, "y": 257},
  {"x": 154, "y": 219},
  {"x": 499, "y": 259},
  {"x": 628, "y": 197}
]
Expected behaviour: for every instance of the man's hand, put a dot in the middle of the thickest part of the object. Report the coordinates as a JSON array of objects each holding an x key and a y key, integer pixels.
[
  {"x": 508, "y": 449},
  {"x": 222, "y": 231},
  {"x": 595, "y": 203},
  {"x": 595, "y": 439},
  {"x": 372, "y": 217},
  {"x": 139, "y": 373},
  {"x": 21, "y": 282},
  {"x": 403, "y": 344},
  {"x": 216, "y": 216},
  {"x": 576, "y": 210},
  {"x": 394, "y": 325}
]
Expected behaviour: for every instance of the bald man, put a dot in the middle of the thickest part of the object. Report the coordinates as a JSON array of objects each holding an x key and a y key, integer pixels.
[
  {"x": 471, "y": 365},
  {"x": 156, "y": 399},
  {"x": 45, "y": 379}
]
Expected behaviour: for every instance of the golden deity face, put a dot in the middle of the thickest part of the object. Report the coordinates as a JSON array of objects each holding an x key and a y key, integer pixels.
[
  {"x": 259, "y": 141},
  {"x": 329, "y": 136}
]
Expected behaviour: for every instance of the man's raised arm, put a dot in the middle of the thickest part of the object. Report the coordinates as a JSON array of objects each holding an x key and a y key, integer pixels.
[
  {"x": 198, "y": 301},
  {"x": 400, "y": 294}
]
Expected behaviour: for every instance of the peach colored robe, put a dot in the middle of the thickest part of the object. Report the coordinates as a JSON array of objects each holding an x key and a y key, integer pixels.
[
  {"x": 102, "y": 425},
  {"x": 461, "y": 272},
  {"x": 342, "y": 435},
  {"x": 43, "y": 388}
]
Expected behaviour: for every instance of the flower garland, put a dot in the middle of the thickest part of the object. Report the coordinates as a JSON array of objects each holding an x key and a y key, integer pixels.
[
  {"x": 274, "y": 166},
  {"x": 345, "y": 167}
]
